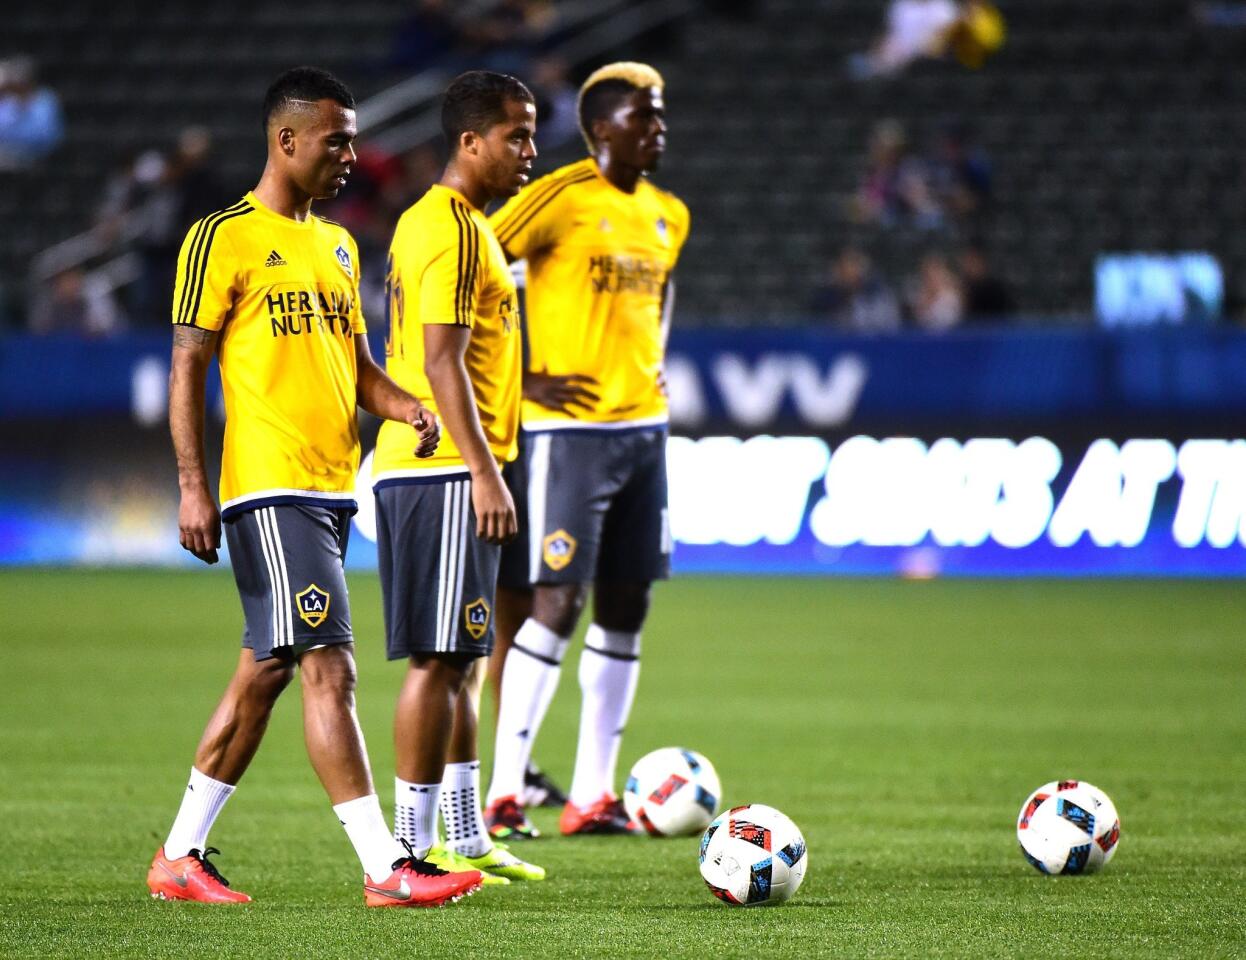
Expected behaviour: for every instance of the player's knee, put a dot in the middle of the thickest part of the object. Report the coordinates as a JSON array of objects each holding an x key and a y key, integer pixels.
[
  {"x": 329, "y": 671},
  {"x": 447, "y": 671},
  {"x": 264, "y": 680},
  {"x": 621, "y": 606},
  {"x": 559, "y": 607}
]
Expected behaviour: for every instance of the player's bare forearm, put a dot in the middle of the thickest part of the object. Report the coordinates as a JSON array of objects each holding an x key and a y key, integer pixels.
[
  {"x": 444, "y": 350},
  {"x": 192, "y": 354},
  {"x": 376, "y": 392},
  {"x": 199, "y": 520},
  {"x": 452, "y": 389}
]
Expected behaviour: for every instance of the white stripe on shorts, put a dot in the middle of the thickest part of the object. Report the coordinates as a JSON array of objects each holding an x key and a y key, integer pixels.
[
  {"x": 280, "y": 557},
  {"x": 443, "y": 559},
  {"x": 538, "y": 487},
  {"x": 266, "y": 547},
  {"x": 465, "y": 517}
]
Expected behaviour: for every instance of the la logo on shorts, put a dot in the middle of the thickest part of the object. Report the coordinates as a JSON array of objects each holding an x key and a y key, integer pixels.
[
  {"x": 559, "y": 549},
  {"x": 476, "y": 618},
  {"x": 313, "y": 604}
]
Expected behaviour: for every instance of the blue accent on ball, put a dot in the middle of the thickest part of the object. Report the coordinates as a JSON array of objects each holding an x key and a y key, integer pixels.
[
  {"x": 1080, "y": 817},
  {"x": 632, "y": 786},
  {"x": 705, "y": 841},
  {"x": 706, "y": 799},
  {"x": 792, "y": 852},
  {"x": 759, "y": 881},
  {"x": 1034, "y": 861},
  {"x": 690, "y": 758},
  {"x": 1078, "y": 858}
]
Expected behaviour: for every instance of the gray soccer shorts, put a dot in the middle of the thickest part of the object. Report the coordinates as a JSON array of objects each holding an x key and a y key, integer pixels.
[
  {"x": 513, "y": 564},
  {"x": 437, "y": 576},
  {"x": 287, "y": 562},
  {"x": 597, "y": 506}
]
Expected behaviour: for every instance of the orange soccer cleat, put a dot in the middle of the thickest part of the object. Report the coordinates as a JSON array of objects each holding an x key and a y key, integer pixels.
[
  {"x": 606, "y": 816},
  {"x": 192, "y": 877},
  {"x": 417, "y": 883}
]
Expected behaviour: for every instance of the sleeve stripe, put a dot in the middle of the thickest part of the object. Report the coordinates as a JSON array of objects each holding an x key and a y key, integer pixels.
[
  {"x": 469, "y": 254},
  {"x": 520, "y": 218},
  {"x": 534, "y": 191},
  {"x": 197, "y": 260}
]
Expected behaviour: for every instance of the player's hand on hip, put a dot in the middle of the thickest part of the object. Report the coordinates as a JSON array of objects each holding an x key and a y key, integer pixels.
[
  {"x": 495, "y": 510},
  {"x": 560, "y": 391},
  {"x": 199, "y": 525},
  {"x": 426, "y": 425}
]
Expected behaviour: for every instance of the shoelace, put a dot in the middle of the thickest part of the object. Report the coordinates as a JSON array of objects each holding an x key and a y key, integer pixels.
[
  {"x": 208, "y": 867},
  {"x": 417, "y": 865}
]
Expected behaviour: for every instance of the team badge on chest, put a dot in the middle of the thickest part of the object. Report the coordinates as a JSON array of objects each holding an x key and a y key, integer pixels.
[
  {"x": 313, "y": 604},
  {"x": 343, "y": 257}
]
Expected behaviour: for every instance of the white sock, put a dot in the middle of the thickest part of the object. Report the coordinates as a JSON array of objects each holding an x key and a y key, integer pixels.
[
  {"x": 460, "y": 809},
  {"x": 609, "y": 670},
  {"x": 365, "y": 825},
  {"x": 529, "y": 680},
  {"x": 201, "y": 804},
  {"x": 415, "y": 814}
]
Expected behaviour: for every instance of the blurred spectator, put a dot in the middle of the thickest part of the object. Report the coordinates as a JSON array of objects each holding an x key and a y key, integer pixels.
[
  {"x": 1231, "y": 15},
  {"x": 508, "y": 34},
  {"x": 158, "y": 197},
  {"x": 988, "y": 298},
  {"x": 428, "y": 34},
  {"x": 896, "y": 188},
  {"x": 960, "y": 174},
  {"x": 558, "y": 121},
  {"x": 915, "y": 29},
  {"x": 856, "y": 298},
  {"x": 978, "y": 33},
  {"x": 30, "y": 115},
  {"x": 75, "y": 302},
  {"x": 936, "y": 299}
]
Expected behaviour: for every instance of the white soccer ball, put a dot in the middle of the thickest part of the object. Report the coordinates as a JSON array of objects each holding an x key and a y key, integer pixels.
[
  {"x": 753, "y": 856},
  {"x": 1068, "y": 826},
  {"x": 672, "y": 792}
]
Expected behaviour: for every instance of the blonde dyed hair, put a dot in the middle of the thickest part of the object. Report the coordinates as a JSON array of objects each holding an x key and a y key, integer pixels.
[{"x": 640, "y": 76}]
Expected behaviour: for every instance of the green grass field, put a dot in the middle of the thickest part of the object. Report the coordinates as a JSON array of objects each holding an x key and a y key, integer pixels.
[{"x": 899, "y": 724}]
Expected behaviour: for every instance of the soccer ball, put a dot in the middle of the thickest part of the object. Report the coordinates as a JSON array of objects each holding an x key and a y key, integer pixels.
[
  {"x": 672, "y": 792},
  {"x": 1068, "y": 826},
  {"x": 753, "y": 856}
]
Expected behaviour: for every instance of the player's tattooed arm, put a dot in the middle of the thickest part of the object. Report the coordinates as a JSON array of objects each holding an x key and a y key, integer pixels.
[
  {"x": 199, "y": 520},
  {"x": 377, "y": 393}
]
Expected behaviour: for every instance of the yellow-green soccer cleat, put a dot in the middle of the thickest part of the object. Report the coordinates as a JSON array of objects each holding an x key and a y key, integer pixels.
[
  {"x": 445, "y": 858},
  {"x": 500, "y": 862}
]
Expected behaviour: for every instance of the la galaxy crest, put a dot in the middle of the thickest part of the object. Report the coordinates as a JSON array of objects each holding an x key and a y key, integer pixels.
[
  {"x": 313, "y": 605},
  {"x": 476, "y": 618},
  {"x": 558, "y": 549},
  {"x": 343, "y": 257}
]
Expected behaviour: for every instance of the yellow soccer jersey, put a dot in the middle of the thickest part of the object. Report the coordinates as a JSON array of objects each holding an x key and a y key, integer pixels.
[
  {"x": 445, "y": 267},
  {"x": 285, "y": 297},
  {"x": 598, "y": 263}
]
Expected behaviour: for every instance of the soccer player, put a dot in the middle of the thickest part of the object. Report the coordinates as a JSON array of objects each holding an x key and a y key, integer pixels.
[
  {"x": 274, "y": 292},
  {"x": 454, "y": 341},
  {"x": 601, "y": 244}
]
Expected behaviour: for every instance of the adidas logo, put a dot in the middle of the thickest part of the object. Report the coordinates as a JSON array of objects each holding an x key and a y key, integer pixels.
[{"x": 274, "y": 260}]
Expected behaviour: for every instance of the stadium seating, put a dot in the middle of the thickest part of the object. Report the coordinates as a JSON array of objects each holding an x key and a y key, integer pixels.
[{"x": 1113, "y": 125}]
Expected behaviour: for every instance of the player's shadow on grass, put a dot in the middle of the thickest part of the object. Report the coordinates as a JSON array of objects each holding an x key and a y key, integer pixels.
[{"x": 797, "y": 905}]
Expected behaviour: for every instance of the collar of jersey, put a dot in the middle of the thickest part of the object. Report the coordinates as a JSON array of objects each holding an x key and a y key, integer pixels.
[
  {"x": 252, "y": 199},
  {"x": 454, "y": 193}
]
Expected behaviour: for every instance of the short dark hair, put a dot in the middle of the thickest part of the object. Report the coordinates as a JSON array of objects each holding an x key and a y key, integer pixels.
[
  {"x": 601, "y": 100},
  {"x": 607, "y": 87},
  {"x": 476, "y": 101},
  {"x": 305, "y": 83}
]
